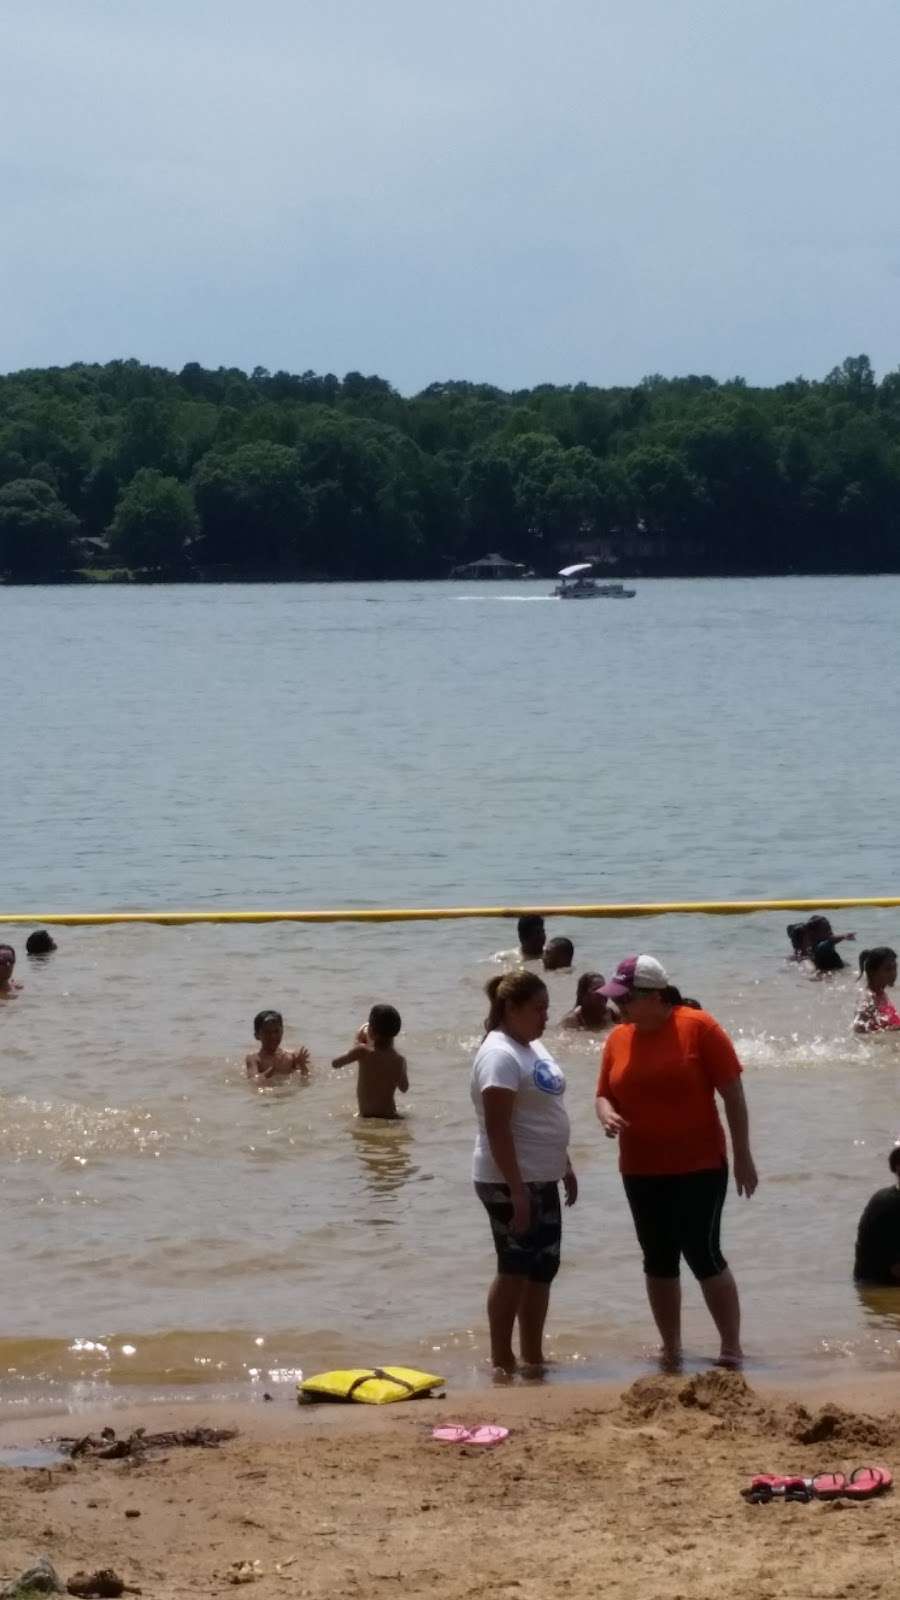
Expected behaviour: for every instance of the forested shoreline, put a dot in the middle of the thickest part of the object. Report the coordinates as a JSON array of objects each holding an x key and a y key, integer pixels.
[{"x": 129, "y": 471}]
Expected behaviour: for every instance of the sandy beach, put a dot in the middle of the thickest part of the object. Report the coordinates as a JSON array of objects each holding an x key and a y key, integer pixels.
[{"x": 629, "y": 1493}]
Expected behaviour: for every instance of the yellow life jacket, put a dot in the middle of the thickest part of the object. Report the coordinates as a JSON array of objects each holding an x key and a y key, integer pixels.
[{"x": 372, "y": 1386}]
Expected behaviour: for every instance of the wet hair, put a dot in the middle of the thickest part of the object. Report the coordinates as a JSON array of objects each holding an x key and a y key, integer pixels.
[
  {"x": 871, "y": 960},
  {"x": 561, "y": 944},
  {"x": 818, "y": 928},
  {"x": 894, "y": 1159},
  {"x": 39, "y": 943},
  {"x": 796, "y": 932},
  {"x": 529, "y": 924},
  {"x": 587, "y": 982},
  {"x": 262, "y": 1017},
  {"x": 384, "y": 1022},
  {"x": 510, "y": 989}
]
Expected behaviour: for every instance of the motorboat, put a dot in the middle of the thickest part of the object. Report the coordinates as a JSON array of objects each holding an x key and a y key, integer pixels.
[{"x": 578, "y": 583}]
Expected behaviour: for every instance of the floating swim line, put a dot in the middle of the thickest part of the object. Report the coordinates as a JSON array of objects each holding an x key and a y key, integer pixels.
[{"x": 673, "y": 908}]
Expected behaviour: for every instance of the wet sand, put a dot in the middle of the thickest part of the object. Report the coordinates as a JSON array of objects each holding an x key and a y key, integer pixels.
[{"x": 633, "y": 1494}]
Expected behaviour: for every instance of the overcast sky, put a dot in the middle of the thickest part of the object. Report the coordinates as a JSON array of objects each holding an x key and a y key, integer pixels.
[{"x": 514, "y": 191}]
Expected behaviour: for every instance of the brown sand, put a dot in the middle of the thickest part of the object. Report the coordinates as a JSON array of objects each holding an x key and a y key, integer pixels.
[{"x": 630, "y": 1496}]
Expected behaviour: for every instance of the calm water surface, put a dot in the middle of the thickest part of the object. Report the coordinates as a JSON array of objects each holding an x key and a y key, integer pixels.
[{"x": 164, "y": 1225}]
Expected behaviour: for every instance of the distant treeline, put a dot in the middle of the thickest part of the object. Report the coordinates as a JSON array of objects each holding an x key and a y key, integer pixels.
[{"x": 128, "y": 469}]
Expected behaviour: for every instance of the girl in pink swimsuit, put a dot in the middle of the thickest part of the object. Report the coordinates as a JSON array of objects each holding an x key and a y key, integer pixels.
[{"x": 876, "y": 1013}]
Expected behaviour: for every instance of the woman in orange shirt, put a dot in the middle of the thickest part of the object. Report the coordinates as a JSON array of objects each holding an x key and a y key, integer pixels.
[{"x": 661, "y": 1069}]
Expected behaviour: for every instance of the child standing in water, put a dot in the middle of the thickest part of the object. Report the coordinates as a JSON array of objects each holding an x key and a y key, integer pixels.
[
  {"x": 271, "y": 1064},
  {"x": 876, "y": 1013},
  {"x": 382, "y": 1070}
]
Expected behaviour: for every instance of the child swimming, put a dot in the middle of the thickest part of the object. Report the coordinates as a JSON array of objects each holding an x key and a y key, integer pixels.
[
  {"x": 382, "y": 1070},
  {"x": 875, "y": 1012},
  {"x": 271, "y": 1064},
  {"x": 592, "y": 1010},
  {"x": 559, "y": 953},
  {"x": 815, "y": 941},
  {"x": 8, "y": 984}
]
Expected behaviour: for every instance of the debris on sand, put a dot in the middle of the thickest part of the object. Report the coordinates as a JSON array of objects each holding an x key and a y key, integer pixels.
[
  {"x": 104, "y": 1583},
  {"x": 107, "y": 1447},
  {"x": 42, "y": 1578},
  {"x": 244, "y": 1572}
]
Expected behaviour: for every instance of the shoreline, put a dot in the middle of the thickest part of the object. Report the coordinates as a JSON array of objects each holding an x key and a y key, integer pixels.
[
  {"x": 877, "y": 1393},
  {"x": 89, "y": 1403},
  {"x": 632, "y": 1491}
]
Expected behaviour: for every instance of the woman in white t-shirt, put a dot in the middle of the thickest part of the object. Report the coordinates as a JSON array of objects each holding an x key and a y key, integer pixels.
[{"x": 521, "y": 1154}]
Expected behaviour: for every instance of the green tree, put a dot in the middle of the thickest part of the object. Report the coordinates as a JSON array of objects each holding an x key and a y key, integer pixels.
[
  {"x": 665, "y": 495},
  {"x": 148, "y": 438},
  {"x": 36, "y": 531},
  {"x": 254, "y": 508},
  {"x": 155, "y": 521}
]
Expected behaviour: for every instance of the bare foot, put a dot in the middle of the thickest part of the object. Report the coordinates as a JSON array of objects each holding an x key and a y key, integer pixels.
[
  {"x": 533, "y": 1369},
  {"x": 731, "y": 1360},
  {"x": 671, "y": 1360}
]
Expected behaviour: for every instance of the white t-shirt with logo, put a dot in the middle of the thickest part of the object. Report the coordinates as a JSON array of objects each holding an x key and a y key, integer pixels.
[{"x": 540, "y": 1122}]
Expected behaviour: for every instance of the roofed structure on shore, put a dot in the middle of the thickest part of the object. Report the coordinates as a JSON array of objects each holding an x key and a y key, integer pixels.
[{"x": 489, "y": 566}]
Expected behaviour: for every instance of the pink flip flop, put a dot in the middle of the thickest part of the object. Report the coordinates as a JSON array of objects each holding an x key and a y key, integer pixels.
[
  {"x": 865, "y": 1482},
  {"x": 488, "y": 1433},
  {"x": 829, "y": 1485},
  {"x": 455, "y": 1433}
]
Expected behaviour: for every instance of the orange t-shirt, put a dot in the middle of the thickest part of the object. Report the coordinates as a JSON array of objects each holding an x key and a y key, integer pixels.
[{"x": 663, "y": 1083}]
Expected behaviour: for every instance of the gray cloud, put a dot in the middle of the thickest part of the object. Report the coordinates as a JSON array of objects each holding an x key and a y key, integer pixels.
[{"x": 496, "y": 189}]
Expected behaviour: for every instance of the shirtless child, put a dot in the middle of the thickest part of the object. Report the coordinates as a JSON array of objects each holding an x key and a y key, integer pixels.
[
  {"x": 271, "y": 1064},
  {"x": 382, "y": 1070}
]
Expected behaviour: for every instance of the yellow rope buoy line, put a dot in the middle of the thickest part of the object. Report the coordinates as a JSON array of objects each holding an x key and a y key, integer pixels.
[{"x": 673, "y": 908}]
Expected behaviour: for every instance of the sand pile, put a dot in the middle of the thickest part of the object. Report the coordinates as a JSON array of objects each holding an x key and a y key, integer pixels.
[{"x": 728, "y": 1397}]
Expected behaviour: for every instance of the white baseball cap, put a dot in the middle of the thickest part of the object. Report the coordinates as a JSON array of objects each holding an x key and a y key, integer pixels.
[{"x": 635, "y": 972}]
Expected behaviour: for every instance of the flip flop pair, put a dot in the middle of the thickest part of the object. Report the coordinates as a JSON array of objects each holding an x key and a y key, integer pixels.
[
  {"x": 454, "y": 1433},
  {"x": 863, "y": 1484}
]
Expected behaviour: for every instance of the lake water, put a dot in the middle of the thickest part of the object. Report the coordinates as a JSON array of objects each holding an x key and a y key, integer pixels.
[{"x": 302, "y": 746}]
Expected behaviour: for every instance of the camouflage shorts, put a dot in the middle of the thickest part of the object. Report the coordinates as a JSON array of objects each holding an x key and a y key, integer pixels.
[{"x": 535, "y": 1254}]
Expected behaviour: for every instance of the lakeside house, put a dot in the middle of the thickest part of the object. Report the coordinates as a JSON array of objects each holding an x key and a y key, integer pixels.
[{"x": 490, "y": 566}]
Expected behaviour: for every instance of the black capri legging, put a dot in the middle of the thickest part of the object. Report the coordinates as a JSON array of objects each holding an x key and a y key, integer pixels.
[{"x": 679, "y": 1215}]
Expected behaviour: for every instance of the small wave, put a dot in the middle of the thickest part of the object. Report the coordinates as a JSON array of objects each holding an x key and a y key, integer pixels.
[
  {"x": 770, "y": 1050},
  {"x": 73, "y": 1133}
]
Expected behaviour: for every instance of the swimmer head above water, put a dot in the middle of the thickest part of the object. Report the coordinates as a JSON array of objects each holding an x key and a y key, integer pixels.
[{"x": 532, "y": 936}]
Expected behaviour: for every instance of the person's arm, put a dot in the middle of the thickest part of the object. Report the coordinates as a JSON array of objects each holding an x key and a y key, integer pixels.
[
  {"x": 745, "y": 1176},
  {"x": 838, "y": 938},
  {"x": 866, "y": 1019},
  {"x": 570, "y": 1183},
  {"x": 498, "y": 1109},
  {"x": 349, "y": 1057},
  {"x": 609, "y": 1118},
  {"x": 251, "y": 1066},
  {"x": 402, "y": 1077}
]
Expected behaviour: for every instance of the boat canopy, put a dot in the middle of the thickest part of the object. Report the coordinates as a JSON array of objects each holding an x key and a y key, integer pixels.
[{"x": 576, "y": 571}]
